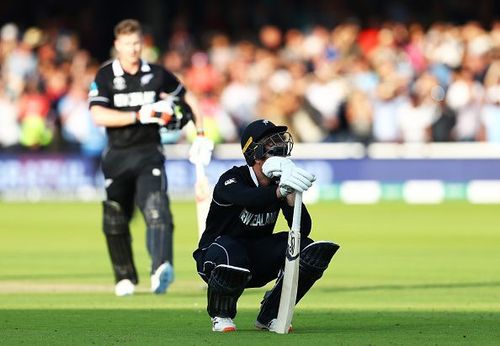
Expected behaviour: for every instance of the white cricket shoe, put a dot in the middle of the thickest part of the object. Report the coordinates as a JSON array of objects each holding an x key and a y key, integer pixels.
[
  {"x": 223, "y": 324},
  {"x": 270, "y": 326},
  {"x": 124, "y": 288},
  {"x": 162, "y": 278}
]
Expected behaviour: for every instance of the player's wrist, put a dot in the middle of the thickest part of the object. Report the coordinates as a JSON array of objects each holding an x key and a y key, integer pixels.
[
  {"x": 135, "y": 117},
  {"x": 279, "y": 194}
]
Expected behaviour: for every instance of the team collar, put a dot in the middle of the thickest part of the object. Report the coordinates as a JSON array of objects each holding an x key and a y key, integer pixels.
[
  {"x": 118, "y": 70},
  {"x": 252, "y": 174}
]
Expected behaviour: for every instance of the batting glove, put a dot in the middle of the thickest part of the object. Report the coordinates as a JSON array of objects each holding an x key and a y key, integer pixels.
[
  {"x": 159, "y": 113},
  {"x": 201, "y": 150},
  {"x": 296, "y": 179},
  {"x": 275, "y": 166}
]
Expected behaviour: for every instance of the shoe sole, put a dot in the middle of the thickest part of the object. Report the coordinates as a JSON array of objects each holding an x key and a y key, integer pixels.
[
  {"x": 264, "y": 328},
  {"x": 260, "y": 326},
  {"x": 124, "y": 295},
  {"x": 166, "y": 278},
  {"x": 225, "y": 330}
]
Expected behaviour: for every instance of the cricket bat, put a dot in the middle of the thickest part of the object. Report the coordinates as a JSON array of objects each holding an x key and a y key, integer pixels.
[
  {"x": 203, "y": 197},
  {"x": 291, "y": 274}
]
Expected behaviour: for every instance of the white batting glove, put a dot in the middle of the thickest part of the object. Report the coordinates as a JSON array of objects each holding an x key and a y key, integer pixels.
[
  {"x": 292, "y": 178},
  {"x": 285, "y": 190},
  {"x": 201, "y": 150},
  {"x": 297, "y": 180},
  {"x": 304, "y": 175},
  {"x": 275, "y": 166},
  {"x": 283, "y": 167},
  {"x": 159, "y": 112}
]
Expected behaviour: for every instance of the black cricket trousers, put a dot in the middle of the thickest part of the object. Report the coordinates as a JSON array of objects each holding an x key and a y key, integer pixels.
[{"x": 263, "y": 256}]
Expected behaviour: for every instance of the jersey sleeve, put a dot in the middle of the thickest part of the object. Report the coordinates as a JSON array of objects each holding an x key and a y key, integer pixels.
[
  {"x": 99, "y": 93},
  {"x": 232, "y": 190},
  {"x": 305, "y": 218},
  {"x": 172, "y": 85}
]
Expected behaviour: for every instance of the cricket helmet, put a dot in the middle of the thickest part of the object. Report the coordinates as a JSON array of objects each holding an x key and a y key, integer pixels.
[{"x": 262, "y": 138}]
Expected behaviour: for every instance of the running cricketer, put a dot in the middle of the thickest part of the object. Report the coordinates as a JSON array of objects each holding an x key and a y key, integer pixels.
[{"x": 132, "y": 98}]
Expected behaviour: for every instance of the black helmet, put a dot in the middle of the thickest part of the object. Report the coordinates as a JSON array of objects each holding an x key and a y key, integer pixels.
[{"x": 262, "y": 137}]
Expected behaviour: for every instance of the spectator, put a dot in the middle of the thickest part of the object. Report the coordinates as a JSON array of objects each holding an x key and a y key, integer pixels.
[
  {"x": 220, "y": 52},
  {"x": 20, "y": 65},
  {"x": 33, "y": 113},
  {"x": 490, "y": 113},
  {"x": 464, "y": 96},
  {"x": 387, "y": 101},
  {"x": 359, "y": 112},
  {"x": 78, "y": 129},
  {"x": 326, "y": 93},
  {"x": 218, "y": 125},
  {"x": 9, "y": 127},
  {"x": 201, "y": 77},
  {"x": 240, "y": 97},
  {"x": 418, "y": 111},
  {"x": 445, "y": 119},
  {"x": 332, "y": 84}
]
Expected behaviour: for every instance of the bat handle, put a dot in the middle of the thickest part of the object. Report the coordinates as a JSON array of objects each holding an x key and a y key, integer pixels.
[
  {"x": 297, "y": 212},
  {"x": 200, "y": 169}
]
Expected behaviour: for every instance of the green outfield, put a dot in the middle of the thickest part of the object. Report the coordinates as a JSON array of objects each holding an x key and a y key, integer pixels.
[{"x": 404, "y": 275}]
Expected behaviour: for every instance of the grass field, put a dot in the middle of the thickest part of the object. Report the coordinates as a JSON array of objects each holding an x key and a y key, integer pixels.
[{"x": 404, "y": 275}]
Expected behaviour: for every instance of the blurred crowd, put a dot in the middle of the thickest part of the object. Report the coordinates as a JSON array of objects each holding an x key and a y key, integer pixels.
[{"x": 391, "y": 83}]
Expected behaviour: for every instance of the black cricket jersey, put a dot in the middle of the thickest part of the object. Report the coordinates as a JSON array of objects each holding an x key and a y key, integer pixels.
[
  {"x": 114, "y": 88},
  {"x": 241, "y": 208}
]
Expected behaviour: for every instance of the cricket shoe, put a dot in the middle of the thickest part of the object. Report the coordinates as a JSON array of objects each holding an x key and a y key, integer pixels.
[
  {"x": 271, "y": 326},
  {"x": 223, "y": 324},
  {"x": 124, "y": 288},
  {"x": 162, "y": 278}
]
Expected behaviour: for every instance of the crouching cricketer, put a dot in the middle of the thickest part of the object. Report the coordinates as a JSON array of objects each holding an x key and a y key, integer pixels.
[{"x": 238, "y": 248}]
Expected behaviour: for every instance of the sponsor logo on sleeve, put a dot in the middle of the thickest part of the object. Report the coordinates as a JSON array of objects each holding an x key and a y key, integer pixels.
[
  {"x": 93, "y": 91},
  {"x": 230, "y": 181}
]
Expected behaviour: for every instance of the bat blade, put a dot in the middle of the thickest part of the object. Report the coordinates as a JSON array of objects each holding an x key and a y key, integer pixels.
[
  {"x": 203, "y": 197},
  {"x": 291, "y": 273}
]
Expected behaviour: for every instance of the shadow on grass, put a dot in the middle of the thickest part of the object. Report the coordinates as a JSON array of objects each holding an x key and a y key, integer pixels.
[
  {"x": 190, "y": 327},
  {"x": 407, "y": 287},
  {"x": 57, "y": 276}
]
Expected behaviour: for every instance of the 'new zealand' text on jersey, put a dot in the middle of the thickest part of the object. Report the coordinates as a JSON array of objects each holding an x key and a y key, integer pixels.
[
  {"x": 116, "y": 89},
  {"x": 241, "y": 208}
]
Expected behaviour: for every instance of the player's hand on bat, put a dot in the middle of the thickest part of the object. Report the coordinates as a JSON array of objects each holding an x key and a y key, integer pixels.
[
  {"x": 292, "y": 178},
  {"x": 201, "y": 150},
  {"x": 295, "y": 180},
  {"x": 274, "y": 166}
]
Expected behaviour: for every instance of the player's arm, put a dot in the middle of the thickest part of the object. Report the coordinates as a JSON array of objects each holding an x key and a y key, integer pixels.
[
  {"x": 184, "y": 100},
  {"x": 197, "y": 115},
  {"x": 100, "y": 102},
  {"x": 185, "y": 109},
  {"x": 292, "y": 178},
  {"x": 103, "y": 115},
  {"x": 231, "y": 190},
  {"x": 156, "y": 113},
  {"x": 305, "y": 221},
  {"x": 108, "y": 117}
]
